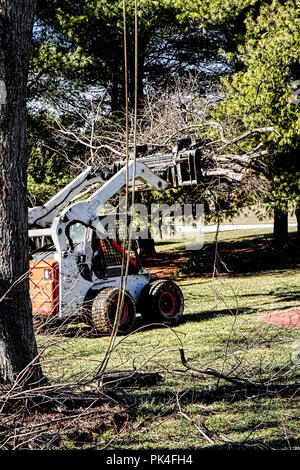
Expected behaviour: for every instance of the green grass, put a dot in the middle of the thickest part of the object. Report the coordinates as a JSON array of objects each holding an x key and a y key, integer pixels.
[
  {"x": 220, "y": 331},
  {"x": 175, "y": 244}
]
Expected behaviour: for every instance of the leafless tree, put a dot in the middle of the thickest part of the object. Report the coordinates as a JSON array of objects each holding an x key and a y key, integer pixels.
[{"x": 163, "y": 118}]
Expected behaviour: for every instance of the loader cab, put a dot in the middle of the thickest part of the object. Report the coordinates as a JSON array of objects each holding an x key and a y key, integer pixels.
[
  {"x": 107, "y": 258},
  {"x": 99, "y": 258}
]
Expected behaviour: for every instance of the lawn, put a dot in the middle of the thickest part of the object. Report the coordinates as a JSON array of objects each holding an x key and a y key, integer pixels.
[{"x": 186, "y": 410}]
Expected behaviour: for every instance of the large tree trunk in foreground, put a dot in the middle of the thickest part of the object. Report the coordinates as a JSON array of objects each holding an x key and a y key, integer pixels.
[{"x": 17, "y": 342}]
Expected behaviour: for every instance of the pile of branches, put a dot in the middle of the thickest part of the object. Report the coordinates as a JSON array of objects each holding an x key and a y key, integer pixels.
[
  {"x": 72, "y": 415},
  {"x": 77, "y": 415}
]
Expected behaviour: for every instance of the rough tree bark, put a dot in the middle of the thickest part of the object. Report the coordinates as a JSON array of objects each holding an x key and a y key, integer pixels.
[{"x": 17, "y": 342}]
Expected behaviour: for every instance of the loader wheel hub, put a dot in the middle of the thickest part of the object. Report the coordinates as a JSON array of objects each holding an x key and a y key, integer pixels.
[
  {"x": 167, "y": 304},
  {"x": 124, "y": 313}
]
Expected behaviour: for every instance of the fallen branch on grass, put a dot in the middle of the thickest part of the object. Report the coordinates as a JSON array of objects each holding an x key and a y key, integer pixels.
[
  {"x": 214, "y": 373},
  {"x": 121, "y": 379},
  {"x": 70, "y": 394},
  {"x": 243, "y": 384}
]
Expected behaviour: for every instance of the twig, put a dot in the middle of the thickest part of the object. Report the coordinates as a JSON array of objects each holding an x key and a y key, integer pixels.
[{"x": 194, "y": 424}]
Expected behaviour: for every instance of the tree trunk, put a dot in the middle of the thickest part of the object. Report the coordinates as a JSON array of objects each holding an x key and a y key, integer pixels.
[
  {"x": 280, "y": 228},
  {"x": 18, "y": 349},
  {"x": 147, "y": 247},
  {"x": 117, "y": 100},
  {"x": 297, "y": 213}
]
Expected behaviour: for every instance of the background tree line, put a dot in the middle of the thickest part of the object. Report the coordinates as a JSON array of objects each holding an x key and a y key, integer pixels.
[{"x": 247, "y": 51}]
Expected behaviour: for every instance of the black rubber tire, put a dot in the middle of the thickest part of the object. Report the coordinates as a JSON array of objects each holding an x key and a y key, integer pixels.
[
  {"x": 161, "y": 301},
  {"x": 104, "y": 310}
]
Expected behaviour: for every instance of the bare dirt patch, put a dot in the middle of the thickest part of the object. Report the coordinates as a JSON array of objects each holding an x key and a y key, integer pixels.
[
  {"x": 288, "y": 318},
  {"x": 165, "y": 265}
]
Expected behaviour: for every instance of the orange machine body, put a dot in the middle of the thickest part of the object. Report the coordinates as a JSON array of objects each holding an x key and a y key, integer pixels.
[{"x": 44, "y": 286}]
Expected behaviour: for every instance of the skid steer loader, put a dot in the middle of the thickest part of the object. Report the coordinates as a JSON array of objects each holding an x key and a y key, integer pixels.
[{"x": 75, "y": 272}]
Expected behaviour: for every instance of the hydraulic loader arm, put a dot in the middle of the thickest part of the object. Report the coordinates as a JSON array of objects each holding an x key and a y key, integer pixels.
[
  {"x": 86, "y": 212},
  {"x": 42, "y": 216}
]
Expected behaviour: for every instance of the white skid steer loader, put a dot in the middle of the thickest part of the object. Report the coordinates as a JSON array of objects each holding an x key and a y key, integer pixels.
[{"x": 75, "y": 272}]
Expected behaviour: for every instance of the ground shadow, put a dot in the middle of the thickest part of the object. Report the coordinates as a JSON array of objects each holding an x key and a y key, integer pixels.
[
  {"x": 240, "y": 256},
  {"x": 80, "y": 330},
  {"x": 209, "y": 314}
]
